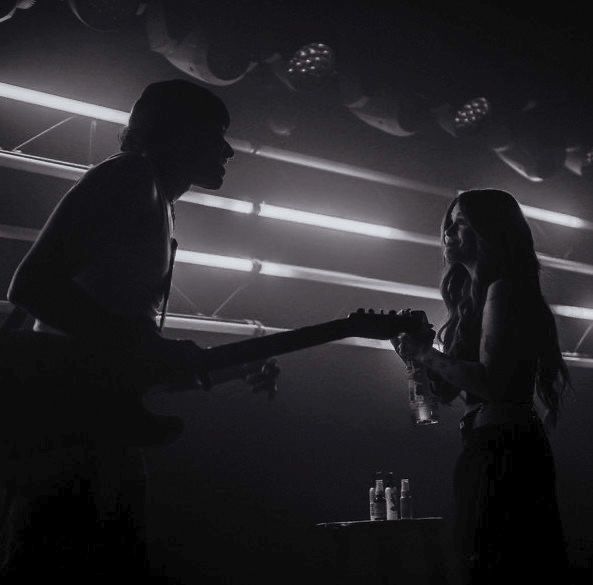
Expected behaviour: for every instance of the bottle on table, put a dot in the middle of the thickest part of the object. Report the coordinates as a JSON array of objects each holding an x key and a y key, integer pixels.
[
  {"x": 378, "y": 503},
  {"x": 391, "y": 498},
  {"x": 405, "y": 500}
]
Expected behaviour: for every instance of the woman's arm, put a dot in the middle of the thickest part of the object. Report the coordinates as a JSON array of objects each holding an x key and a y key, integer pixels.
[
  {"x": 460, "y": 374},
  {"x": 488, "y": 377}
]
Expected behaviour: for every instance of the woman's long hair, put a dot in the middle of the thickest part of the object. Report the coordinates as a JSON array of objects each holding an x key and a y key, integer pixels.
[{"x": 504, "y": 250}]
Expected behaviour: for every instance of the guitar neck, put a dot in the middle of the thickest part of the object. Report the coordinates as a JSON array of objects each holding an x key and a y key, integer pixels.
[{"x": 260, "y": 348}]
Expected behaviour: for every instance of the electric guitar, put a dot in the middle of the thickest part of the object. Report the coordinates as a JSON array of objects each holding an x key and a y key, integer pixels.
[{"x": 91, "y": 398}]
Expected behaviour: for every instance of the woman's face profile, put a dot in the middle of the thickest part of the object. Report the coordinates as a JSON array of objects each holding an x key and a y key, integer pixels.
[{"x": 460, "y": 239}]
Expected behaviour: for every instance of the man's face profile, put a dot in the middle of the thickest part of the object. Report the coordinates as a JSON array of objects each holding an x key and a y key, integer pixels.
[{"x": 204, "y": 152}]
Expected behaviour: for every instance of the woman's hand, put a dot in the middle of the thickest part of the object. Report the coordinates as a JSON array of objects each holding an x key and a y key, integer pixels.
[{"x": 413, "y": 346}]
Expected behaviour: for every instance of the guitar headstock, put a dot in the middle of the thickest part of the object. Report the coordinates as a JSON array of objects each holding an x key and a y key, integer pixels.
[{"x": 380, "y": 324}]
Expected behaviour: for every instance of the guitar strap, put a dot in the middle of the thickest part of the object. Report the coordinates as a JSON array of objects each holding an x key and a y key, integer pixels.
[
  {"x": 168, "y": 282},
  {"x": 168, "y": 207}
]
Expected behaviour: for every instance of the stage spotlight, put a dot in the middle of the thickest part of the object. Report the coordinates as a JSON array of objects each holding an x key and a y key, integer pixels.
[
  {"x": 9, "y": 7},
  {"x": 311, "y": 66},
  {"x": 537, "y": 149},
  {"x": 107, "y": 15},
  {"x": 478, "y": 117},
  {"x": 472, "y": 116},
  {"x": 396, "y": 112},
  {"x": 217, "y": 61}
]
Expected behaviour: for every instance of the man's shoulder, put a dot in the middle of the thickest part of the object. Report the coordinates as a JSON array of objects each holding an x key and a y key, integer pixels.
[
  {"x": 124, "y": 178},
  {"x": 122, "y": 166}
]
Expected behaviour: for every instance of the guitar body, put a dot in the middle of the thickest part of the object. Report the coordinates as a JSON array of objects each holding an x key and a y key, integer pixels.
[{"x": 56, "y": 392}]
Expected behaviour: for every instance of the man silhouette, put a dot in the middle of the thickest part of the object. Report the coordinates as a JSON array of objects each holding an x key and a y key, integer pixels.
[{"x": 94, "y": 281}]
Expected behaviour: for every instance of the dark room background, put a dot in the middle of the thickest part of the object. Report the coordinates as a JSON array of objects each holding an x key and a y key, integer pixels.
[{"x": 239, "y": 493}]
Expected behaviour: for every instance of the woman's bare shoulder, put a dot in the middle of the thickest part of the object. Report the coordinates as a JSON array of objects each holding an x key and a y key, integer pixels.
[{"x": 501, "y": 288}]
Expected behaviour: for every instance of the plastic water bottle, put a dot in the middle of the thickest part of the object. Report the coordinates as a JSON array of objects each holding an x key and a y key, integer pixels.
[
  {"x": 405, "y": 500},
  {"x": 391, "y": 498},
  {"x": 424, "y": 405},
  {"x": 378, "y": 504}
]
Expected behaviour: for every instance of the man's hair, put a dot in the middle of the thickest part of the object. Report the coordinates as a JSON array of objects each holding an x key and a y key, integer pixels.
[{"x": 165, "y": 107}]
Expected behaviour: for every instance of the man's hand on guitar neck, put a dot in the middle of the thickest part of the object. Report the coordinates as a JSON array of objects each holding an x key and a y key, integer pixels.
[{"x": 186, "y": 365}]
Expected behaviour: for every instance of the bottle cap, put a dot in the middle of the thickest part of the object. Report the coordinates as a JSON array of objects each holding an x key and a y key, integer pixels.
[{"x": 405, "y": 486}]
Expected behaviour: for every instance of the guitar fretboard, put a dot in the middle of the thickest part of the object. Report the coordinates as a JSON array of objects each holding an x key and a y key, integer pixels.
[{"x": 249, "y": 350}]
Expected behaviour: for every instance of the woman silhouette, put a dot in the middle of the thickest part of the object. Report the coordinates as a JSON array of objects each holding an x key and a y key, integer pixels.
[{"x": 500, "y": 352}]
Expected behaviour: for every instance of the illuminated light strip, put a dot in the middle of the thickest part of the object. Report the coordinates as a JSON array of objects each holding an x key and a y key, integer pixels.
[
  {"x": 345, "y": 225},
  {"x": 338, "y": 168},
  {"x": 342, "y": 279},
  {"x": 309, "y": 274},
  {"x": 41, "y": 166},
  {"x": 214, "y": 261},
  {"x": 352, "y": 226},
  {"x": 578, "y": 359},
  {"x": 226, "y": 203},
  {"x": 40, "y": 98},
  {"x": 573, "y": 312},
  {"x": 119, "y": 117},
  {"x": 73, "y": 172},
  {"x": 11, "y": 232},
  {"x": 567, "y": 265},
  {"x": 251, "y": 328},
  {"x": 303, "y": 273},
  {"x": 556, "y": 218}
]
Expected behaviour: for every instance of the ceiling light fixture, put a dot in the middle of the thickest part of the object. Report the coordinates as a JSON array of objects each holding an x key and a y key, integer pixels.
[
  {"x": 119, "y": 117},
  {"x": 9, "y": 7},
  {"x": 216, "y": 60},
  {"x": 107, "y": 15},
  {"x": 311, "y": 66}
]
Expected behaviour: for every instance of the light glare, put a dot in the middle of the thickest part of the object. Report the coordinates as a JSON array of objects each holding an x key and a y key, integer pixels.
[
  {"x": 110, "y": 115},
  {"x": 214, "y": 260},
  {"x": 555, "y": 217},
  {"x": 40, "y": 165},
  {"x": 63, "y": 104},
  {"x": 573, "y": 312},
  {"x": 346, "y": 225},
  {"x": 236, "y": 205}
]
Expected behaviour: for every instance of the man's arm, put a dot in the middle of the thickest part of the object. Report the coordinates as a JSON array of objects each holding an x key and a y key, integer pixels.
[{"x": 44, "y": 283}]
